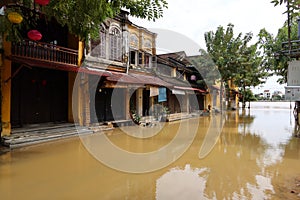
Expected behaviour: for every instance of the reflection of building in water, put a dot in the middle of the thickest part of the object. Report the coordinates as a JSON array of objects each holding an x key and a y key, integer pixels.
[{"x": 182, "y": 184}]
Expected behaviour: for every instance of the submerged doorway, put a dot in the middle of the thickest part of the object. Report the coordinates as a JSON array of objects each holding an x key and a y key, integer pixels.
[
  {"x": 109, "y": 104},
  {"x": 38, "y": 95}
]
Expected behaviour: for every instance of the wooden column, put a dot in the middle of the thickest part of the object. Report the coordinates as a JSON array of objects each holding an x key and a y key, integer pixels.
[
  {"x": 71, "y": 82},
  {"x": 6, "y": 90}
]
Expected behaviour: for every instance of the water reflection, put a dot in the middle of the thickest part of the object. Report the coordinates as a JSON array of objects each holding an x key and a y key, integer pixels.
[
  {"x": 256, "y": 157},
  {"x": 182, "y": 184}
]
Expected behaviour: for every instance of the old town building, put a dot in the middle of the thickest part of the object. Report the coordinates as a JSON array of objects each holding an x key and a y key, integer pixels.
[{"x": 116, "y": 78}]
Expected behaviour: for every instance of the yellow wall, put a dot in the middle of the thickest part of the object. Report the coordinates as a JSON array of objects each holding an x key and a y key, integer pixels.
[{"x": 6, "y": 90}]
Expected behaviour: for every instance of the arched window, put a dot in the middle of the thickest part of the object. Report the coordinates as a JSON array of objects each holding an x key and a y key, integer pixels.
[
  {"x": 134, "y": 41},
  {"x": 115, "y": 38}
]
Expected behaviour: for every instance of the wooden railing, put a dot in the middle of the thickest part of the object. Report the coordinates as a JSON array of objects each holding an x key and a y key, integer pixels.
[
  {"x": 291, "y": 48},
  {"x": 45, "y": 52}
]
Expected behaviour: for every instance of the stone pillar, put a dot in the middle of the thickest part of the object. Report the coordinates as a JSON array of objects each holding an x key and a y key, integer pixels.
[
  {"x": 151, "y": 105},
  {"x": 127, "y": 103},
  {"x": 139, "y": 101},
  {"x": 76, "y": 113},
  {"x": 86, "y": 101},
  {"x": 187, "y": 96}
]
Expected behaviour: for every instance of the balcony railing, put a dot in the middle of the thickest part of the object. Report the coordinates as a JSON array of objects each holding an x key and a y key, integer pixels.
[
  {"x": 293, "y": 50},
  {"x": 45, "y": 52}
]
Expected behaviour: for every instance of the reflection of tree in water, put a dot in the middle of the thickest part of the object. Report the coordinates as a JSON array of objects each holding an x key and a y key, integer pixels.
[
  {"x": 235, "y": 163},
  {"x": 286, "y": 178},
  {"x": 297, "y": 130},
  {"x": 245, "y": 120},
  {"x": 244, "y": 165}
]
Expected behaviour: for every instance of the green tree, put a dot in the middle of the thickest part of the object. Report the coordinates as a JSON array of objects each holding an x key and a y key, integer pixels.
[
  {"x": 235, "y": 59},
  {"x": 82, "y": 17},
  {"x": 292, "y": 6},
  {"x": 246, "y": 96},
  {"x": 274, "y": 58},
  {"x": 250, "y": 71}
]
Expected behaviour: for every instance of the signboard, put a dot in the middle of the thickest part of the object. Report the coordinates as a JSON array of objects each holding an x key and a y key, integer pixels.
[
  {"x": 292, "y": 93},
  {"x": 293, "y": 76},
  {"x": 162, "y": 96},
  {"x": 292, "y": 90}
]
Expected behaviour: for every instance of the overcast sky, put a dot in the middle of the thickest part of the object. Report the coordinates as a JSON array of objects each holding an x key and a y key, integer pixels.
[{"x": 192, "y": 18}]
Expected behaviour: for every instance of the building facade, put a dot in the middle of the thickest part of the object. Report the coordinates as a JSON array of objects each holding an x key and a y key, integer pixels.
[{"x": 116, "y": 77}]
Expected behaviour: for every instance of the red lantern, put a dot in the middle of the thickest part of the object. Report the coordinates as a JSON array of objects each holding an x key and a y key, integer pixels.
[
  {"x": 34, "y": 35},
  {"x": 42, "y": 2}
]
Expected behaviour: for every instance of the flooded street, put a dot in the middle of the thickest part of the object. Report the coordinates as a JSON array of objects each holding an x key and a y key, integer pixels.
[{"x": 255, "y": 156}]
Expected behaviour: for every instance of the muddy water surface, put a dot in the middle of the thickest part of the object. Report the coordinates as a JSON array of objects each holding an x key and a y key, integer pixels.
[{"x": 255, "y": 157}]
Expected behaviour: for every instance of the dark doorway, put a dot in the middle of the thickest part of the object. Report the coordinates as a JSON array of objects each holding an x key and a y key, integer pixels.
[
  {"x": 146, "y": 103},
  {"x": 109, "y": 104},
  {"x": 38, "y": 95},
  {"x": 200, "y": 98}
]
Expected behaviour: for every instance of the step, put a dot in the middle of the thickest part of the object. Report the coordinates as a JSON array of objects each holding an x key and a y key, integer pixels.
[{"x": 34, "y": 136}]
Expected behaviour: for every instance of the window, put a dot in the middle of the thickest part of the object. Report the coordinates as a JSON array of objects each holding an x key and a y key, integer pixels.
[
  {"x": 134, "y": 41},
  {"x": 147, "y": 46},
  {"x": 115, "y": 44},
  {"x": 140, "y": 58},
  {"x": 98, "y": 46},
  {"x": 147, "y": 60},
  {"x": 133, "y": 57}
]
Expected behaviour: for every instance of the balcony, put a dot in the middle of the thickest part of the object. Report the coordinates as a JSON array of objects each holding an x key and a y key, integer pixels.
[
  {"x": 44, "y": 52},
  {"x": 294, "y": 51}
]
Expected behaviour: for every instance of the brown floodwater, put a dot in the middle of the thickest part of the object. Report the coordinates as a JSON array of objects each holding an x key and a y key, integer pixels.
[{"x": 246, "y": 155}]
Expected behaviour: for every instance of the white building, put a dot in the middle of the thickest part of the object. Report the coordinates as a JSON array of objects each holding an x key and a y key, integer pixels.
[{"x": 267, "y": 94}]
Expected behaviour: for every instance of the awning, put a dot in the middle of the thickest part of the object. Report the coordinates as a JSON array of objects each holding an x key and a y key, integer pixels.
[
  {"x": 151, "y": 80},
  {"x": 176, "y": 91},
  {"x": 137, "y": 79},
  {"x": 93, "y": 71},
  {"x": 215, "y": 87},
  {"x": 175, "y": 81},
  {"x": 122, "y": 78},
  {"x": 190, "y": 88}
]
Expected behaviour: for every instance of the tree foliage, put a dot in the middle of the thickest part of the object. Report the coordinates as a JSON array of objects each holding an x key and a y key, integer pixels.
[
  {"x": 235, "y": 58},
  {"x": 292, "y": 6},
  {"x": 271, "y": 48},
  {"x": 82, "y": 17},
  {"x": 247, "y": 95}
]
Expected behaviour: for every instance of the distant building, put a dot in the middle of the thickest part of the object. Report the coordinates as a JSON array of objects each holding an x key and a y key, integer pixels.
[
  {"x": 267, "y": 94},
  {"x": 278, "y": 93}
]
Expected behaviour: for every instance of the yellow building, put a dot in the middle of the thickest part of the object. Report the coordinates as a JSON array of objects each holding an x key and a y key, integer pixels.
[{"x": 37, "y": 77}]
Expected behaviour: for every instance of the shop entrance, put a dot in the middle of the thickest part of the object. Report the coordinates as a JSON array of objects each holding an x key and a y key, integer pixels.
[{"x": 38, "y": 95}]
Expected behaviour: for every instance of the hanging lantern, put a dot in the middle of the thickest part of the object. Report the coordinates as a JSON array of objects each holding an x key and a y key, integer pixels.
[
  {"x": 193, "y": 78},
  {"x": 15, "y": 17},
  {"x": 34, "y": 35},
  {"x": 42, "y": 2}
]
